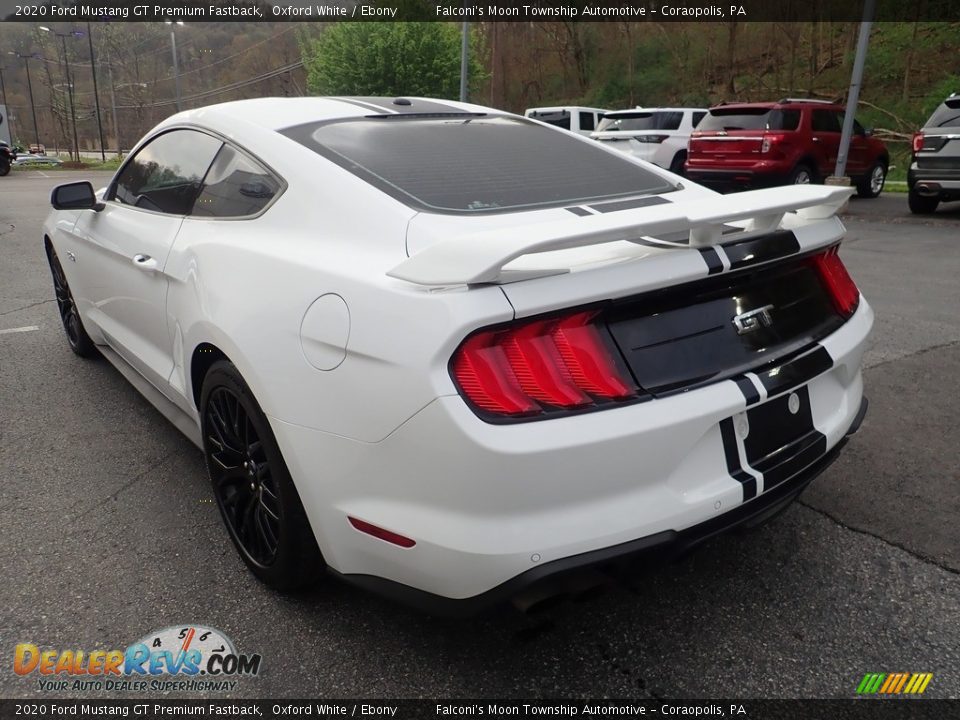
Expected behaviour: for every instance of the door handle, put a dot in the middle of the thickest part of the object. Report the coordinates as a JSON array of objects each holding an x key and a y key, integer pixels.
[{"x": 145, "y": 263}]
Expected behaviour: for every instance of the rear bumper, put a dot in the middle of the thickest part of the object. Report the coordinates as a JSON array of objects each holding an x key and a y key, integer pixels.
[
  {"x": 560, "y": 577},
  {"x": 941, "y": 183},
  {"x": 741, "y": 179},
  {"x": 495, "y": 508}
]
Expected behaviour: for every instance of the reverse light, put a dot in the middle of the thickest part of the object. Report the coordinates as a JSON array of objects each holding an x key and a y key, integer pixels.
[
  {"x": 533, "y": 367},
  {"x": 917, "y": 142},
  {"x": 835, "y": 278}
]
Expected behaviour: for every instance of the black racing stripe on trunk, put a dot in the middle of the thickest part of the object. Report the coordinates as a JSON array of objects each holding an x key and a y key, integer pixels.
[
  {"x": 798, "y": 371},
  {"x": 712, "y": 259},
  {"x": 748, "y": 389},
  {"x": 780, "y": 443},
  {"x": 773, "y": 246},
  {"x": 629, "y": 204},
  {"x": 732, "y": 456},
  {"x": 579, "y": 211}
]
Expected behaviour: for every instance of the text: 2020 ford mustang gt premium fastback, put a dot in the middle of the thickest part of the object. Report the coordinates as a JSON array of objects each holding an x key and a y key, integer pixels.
[{"x": 453, "y": 354}]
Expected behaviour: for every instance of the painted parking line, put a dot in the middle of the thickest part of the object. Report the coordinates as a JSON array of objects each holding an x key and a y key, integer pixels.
[{"x": 26, "y": 328}]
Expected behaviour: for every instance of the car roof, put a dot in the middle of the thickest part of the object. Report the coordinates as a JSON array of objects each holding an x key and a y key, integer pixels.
[
  {"x": 280, "y": 113},
  {"x": 560, "y": 108},
  {"x": 779, "y": 103},
  {"x": 656, "y": 109}
]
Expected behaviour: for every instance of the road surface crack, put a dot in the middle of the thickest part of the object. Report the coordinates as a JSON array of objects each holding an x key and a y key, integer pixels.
[
  {"x": 860, "y": 531},
  {"x": 921, "y": 351},
  {"x": 26, "y": 307}
]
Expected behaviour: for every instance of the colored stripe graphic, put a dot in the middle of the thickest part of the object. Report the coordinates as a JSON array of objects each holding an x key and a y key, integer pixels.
[{"x": 894, "y": 683}]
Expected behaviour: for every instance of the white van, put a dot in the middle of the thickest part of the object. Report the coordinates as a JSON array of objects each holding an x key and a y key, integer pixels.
[{"x": 583, "y": 120}]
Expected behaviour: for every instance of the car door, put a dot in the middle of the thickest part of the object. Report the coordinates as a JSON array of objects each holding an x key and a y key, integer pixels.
[
  {"x": 123, "y": 248},
  {"x": 858, "y": 157},
  {"x": 825, "y": 133}
]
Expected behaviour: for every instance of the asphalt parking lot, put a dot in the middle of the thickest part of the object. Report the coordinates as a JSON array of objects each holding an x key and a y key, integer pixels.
[{"x": 108, "y": 531}]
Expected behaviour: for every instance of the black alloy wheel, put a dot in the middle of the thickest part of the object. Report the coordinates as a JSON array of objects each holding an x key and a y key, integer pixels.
[
  {"x": 245, "y": 488},
  {"x": 77, "y": 337},
  {"x": 255, "y": 494}
]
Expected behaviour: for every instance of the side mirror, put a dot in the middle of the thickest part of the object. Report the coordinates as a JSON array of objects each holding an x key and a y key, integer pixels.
[{"x": 75, "y": 196}]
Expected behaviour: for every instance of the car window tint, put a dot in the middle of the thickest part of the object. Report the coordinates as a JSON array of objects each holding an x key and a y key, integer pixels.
[
  {"x": 165, "y": 175},
  {"x": 825, "y": 121},
  {"x": 642, "y": 121},
  {"x": 736, "y": 119},
  {"x": 785, "y": 120},
  {"x": 235, "y": 186},
  {"x": 947, "y": 115},
  {"x": 586, "y": 121},
  {"x": 476, "y": 163},
  {"x": 697, "y": 117},
  {"x": 559, "y": 118}
]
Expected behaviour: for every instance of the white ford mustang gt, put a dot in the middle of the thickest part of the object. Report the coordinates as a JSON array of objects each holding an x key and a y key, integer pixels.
[{"x": 455, "y": 355}]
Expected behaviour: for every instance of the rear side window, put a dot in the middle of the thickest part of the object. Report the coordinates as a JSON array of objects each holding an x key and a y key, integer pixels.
[
  {"x": 947, "y": 115},
  {"x": 642, "y": 121},
  {"x": 476, "y": 163},
  {"x": 235, "y": 186},
  {"x": 586, "y": 121},
  {"x": 166, "y": 174},
  {"x": 741, "y": 118},
  {"x": 826, "y": 121},
  {"x": 697, "y": 117},
  {"x": 561, "y": 119}
]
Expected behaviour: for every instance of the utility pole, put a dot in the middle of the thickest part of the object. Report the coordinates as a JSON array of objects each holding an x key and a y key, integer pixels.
[
  {"x": 96, "y": 94},
  {"x": 66, "y": 65},
  {"x": 176, "y": 59},
  {"x": 113, "y": 107},
  {"x": 853, "y": 97},
  {"x": 3, "y": 95},
  {"x": 464, "y": 60},
  {"x": 33, "y": 108}
]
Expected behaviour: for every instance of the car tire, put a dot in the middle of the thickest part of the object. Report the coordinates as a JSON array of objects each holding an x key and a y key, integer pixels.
[
  {"x": 676, "y": 166},
  {"x": 4, "y": 169},
  {"x": 802, "y": 175},
  {"x": 921, "y": 205},
  {"x": 77, "y": 337},
  {"x": 251, "y": 484},
  {"x": 872, "y": 184}
]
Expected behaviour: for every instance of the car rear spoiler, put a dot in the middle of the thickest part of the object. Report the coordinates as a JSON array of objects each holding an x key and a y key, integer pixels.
[{"x": 480, "y": 257}]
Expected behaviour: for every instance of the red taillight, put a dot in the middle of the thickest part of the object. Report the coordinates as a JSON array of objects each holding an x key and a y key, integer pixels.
[
  {"x": 843, "y": 291},
  {"x": 769, "y": 141},
  {"x": 379, "y": 532},
  {"x": 917, "y": 142},
  {"x": 555, "y": 363}
]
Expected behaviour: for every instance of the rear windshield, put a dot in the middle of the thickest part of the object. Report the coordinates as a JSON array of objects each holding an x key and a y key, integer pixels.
[
  {"x": 947, "y": 115},
  {"x": 641, "y": 121},
  {"x": 476, "y": 163},
  {"x": 750, "y": 119}
]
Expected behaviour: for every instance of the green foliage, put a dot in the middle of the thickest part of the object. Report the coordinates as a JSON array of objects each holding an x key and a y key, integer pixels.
[{"x": 373, "y": 58}]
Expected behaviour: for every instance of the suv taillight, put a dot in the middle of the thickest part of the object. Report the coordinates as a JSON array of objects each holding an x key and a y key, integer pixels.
[
  {"x": 650, "y": 138},
  {"x": 834, "y": 276},
  {"x": 532, "y": 367},
  {"x": 769, "y": 141},
  {"x": 917, "y": 142}
]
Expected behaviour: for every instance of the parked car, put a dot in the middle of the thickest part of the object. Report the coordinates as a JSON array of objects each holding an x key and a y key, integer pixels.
[
  {"x": 455, "y": 355},
  {"x": 7, "y": 157},
  {"x": 31, "y": 159},
  {"x": 38, "y": 149},
  {"x": 577, "y": 119},
  {"x": 787, "y": 142},
  {"x": 657, "y": 135},
  {"x": 934, "y": 174}
]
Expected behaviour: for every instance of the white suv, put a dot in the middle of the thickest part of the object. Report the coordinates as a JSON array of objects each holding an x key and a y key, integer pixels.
[
  {"x": 657, "y": 135},
  {"x": 582, "y": 120}
]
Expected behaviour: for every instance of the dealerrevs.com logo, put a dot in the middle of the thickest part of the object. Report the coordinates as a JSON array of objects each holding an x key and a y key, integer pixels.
[{"x": 178, "y": 658}]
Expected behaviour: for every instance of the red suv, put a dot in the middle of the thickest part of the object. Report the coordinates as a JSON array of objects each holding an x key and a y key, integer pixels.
[{"x": 746, "y": 145}]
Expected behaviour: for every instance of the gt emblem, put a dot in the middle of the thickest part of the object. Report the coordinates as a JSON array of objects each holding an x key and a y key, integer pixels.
[{"x": 753, "y": 320}]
